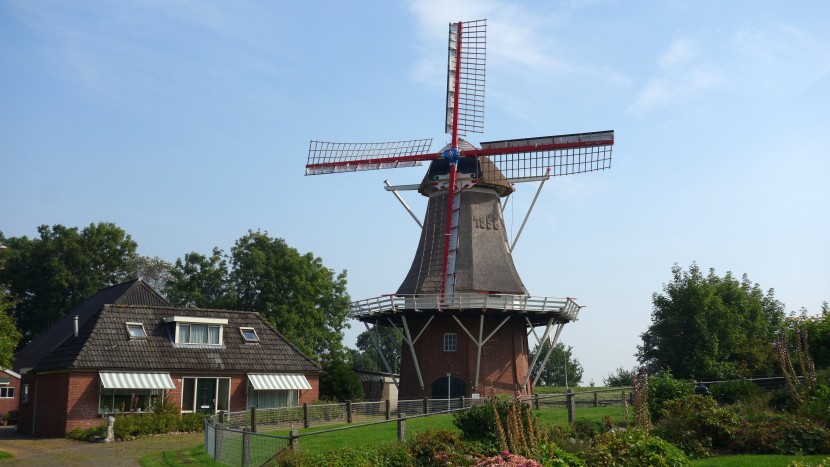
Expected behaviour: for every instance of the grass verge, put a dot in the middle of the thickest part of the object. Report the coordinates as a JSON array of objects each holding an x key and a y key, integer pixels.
[
  {"x": 194, "y": 455},
  {"x": 5, "y": 455},
  {"x": 754, "y": 460}
]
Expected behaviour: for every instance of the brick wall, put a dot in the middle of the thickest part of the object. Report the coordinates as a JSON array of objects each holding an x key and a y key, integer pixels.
[
  {"x": 312, "y": 394},
  {"x": 504, "y": 361},
  {"x": 10, "y": 403},
  {"x": 82, "y": 401}
]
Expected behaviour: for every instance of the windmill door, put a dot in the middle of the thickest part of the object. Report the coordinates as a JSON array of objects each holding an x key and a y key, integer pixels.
[{"x": 457, "y": 388}]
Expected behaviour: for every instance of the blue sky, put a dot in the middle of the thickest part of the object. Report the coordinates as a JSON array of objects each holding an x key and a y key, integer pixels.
[{"x": 187, "y": 123}]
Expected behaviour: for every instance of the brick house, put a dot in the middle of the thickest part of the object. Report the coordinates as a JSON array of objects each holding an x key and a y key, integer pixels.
[
  {"x": 128, "y": 347},
  {"x": 9, "y": 390}
]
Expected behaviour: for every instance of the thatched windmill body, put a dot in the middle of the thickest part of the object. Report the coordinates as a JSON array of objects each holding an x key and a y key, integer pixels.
[{"x": 462, "y": 310}]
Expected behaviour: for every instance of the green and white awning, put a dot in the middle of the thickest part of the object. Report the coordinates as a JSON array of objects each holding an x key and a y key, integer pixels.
[
  {"x": 120, "y": 380},
  {"x": 282, "y": 381}
]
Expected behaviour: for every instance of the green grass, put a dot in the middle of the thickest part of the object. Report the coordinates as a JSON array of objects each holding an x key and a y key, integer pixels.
[
  {"x": 5, "y": 455},
  {"x": 756, "y": 461},
  {"x": 194, "y": 455}
]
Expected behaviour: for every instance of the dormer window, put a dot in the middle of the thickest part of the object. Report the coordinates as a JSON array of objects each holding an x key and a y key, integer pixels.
[
  {"x": 136, "y": 330},
  {"x": 249, "y": 334},
  {"x": 198, "y": 331}
]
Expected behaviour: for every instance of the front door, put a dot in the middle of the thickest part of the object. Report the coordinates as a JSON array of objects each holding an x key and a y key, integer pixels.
[{"x": 206, "y": 395}]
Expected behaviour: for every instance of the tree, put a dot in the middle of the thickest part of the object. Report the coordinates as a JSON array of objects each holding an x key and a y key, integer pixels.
[
  {"x": 50, "y": 275},
  {"x": 553, "y": 373},
  {"x": 339, "y": 382},
  {"x": 9, "y": 335},
  {"x": 152, "y": 270},
  {"x": 818, "y": 334},
  {"x": 303, "y": 299},
  {"x": 621, "y": 377},
  {"x": 711, "y": 327},
  {"x": 367, "y": 356}
]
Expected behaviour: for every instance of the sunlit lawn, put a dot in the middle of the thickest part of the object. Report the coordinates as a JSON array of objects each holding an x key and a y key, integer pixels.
[{"x": 756, "y": 461}]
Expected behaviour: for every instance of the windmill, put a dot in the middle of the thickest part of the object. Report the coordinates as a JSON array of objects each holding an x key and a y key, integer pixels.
[{"x": 462, "y": 311}]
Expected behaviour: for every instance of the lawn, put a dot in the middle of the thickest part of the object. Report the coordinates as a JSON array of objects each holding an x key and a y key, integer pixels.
[
  {"x": 5, "y": 455},
  {"x": 767, "y": 460}
]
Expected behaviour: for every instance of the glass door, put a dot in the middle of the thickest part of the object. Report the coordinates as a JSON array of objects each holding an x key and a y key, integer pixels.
[{"x": 206, "y": 395}]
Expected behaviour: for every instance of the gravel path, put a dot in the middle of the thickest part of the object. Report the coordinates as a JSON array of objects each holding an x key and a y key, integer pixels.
[{"x": 34, "y": 450}]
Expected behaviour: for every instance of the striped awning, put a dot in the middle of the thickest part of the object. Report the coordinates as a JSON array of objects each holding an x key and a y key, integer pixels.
[
  {"x": 118, "y": 380},
  {"x": 278, "y": 381}
]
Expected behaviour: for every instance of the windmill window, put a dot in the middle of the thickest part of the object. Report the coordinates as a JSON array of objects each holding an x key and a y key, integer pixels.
[
  {"x": 450, "y": 342},
  {"x": 136, "y": 330},
  {"x": 249, "y": 334}
]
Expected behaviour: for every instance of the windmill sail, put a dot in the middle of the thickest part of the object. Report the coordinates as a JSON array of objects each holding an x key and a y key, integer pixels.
[{"x": 468, "y": 66}]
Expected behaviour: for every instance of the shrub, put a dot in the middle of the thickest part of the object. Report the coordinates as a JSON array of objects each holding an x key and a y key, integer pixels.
[
  {"x": 634, "y": 447},
  {"x": 502, "y": 425},
  {"x": 783, "y": 400},
  {"x": 730, "y": 392},
  {"x": 782, "y": 434},
  {"x": 93, "y": 433},
  {"x": 426, "y": 445},
  {"x": 389, "y": 455},
  {"x": 132, "y": 426},
  {"x": 478, "y": 423},
  {"x": 663, "y": 388},
  {"x": 621, "y": 377},
  {"x": 588, "y": 428},
  {"x": 816, "y": 405},
  {"x": 696, "y": 424}
]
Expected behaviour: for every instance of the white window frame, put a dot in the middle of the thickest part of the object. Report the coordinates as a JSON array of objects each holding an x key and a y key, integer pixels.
[
  {"x": 195, "y": 393},
  {"x": 177, "y": 320},
  {"x": 7, "y": 392},
  {"x": 450, "y": 342},
  {"x": 243, "y": 330},
  {"x": 136, "y": 325}
]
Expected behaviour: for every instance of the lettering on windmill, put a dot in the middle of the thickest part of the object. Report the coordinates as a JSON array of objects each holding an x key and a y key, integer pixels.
[{"x": 487, "y": 223}]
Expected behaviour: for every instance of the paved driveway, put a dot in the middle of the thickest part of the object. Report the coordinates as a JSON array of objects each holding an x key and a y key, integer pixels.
[{"x": 33, "y": 450}]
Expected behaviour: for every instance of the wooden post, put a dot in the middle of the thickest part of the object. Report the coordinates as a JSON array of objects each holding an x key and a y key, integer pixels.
[
  {"x": 596, "y": 399},
  {"x": 571, "y": 406},
  {"x": 426, "y": 405},
  {"x": 348, "y": 411},
  {"x": 246, "y": 447},
  {"x": 401, "y": 427},
  {"x": 305, "y": 414},
  {"x": 293, "y": 440},
  {"x": 388, "y": 409},
  {"x": 461, "y": 400},
  {"x": 253, "y": 419}
]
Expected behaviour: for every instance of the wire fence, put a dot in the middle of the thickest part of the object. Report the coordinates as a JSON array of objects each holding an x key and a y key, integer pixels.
[{"x": 236, "y": 438}]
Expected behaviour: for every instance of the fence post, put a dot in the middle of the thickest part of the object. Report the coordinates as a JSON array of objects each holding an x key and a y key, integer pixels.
[
  {"x": 348, "y": 411},
  {"x": 388, "y": 408},
  {"x": 305, "y": 414},
  {"x": 253, "y": 419},
  {"x": 536, "y": 401},
  {"x": 571, "y": 405},
  {"x": 401, "y": 427},
  {"x": 426, "y": 406},
  {"x": 596, "y": 399},
  {"x": 461, "y": 399},
  {"x": 293, "y": 440},
  {"x": 622, "y": 398},
  {"x": 246, "y": 447}
]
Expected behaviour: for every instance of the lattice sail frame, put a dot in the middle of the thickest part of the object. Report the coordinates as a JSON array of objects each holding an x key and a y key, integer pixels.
[{"x": 470, "y": 99}]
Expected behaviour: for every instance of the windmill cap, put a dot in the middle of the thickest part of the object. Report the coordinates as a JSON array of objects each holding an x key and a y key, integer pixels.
[{"x": 482, "y": 169}]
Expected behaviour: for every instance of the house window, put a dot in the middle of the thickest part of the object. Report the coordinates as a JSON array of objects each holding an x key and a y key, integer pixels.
[
  {"x": 206, "y": 395},
  {"x": 272, "y": 399},
  {"x": 192, "y": 333},
  {"x": 7, "y": 392},
  {"x": 136, "y": 330},
  {"x": 24, "y": 397},
  {"x": 128, "y": 400},
  {"x": 249, "y": 334},
  {"x": 450, "y": 342},
  {"x": 199, "y": 331}
]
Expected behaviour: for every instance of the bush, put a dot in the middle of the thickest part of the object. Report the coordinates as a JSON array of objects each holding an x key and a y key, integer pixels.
[
  {"x": 132, "y": 426},
  {"x": 621, "y": 377},
  {"x": 588, "y": 428},
  {"x": 696, "y": 424},
  {"x": 783, "y": 400},
  {"x": 93, "y": 433},
  {"x": 428, "y": 444},
  {"x": 782, "y": 434},
  {"x": 634, "y": 447},
  {"x": 816, "y": 405},
  {"x": 730, "y": 392},
  {"x": 478, "y": 423},
  {"x": 390, "y": 455},
  {"x": 663, "y": 388}
]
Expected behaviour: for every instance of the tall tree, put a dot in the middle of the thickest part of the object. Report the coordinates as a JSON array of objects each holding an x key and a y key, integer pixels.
[
  {"x": 711, "y": 327},
  {"x": 152, "y": 270},
  {"x": 367, "y": 356},
  {"x": 303, "y": 299},
  {"x": 818, "y": 334},
  {"x": 9, "y": 335},
  {"x": 561, "y": 361},
  {"x": 49, "y": 275}
]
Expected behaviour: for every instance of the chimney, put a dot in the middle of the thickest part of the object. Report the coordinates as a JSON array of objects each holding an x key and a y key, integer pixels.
[{"x": 76, "y": 325}]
